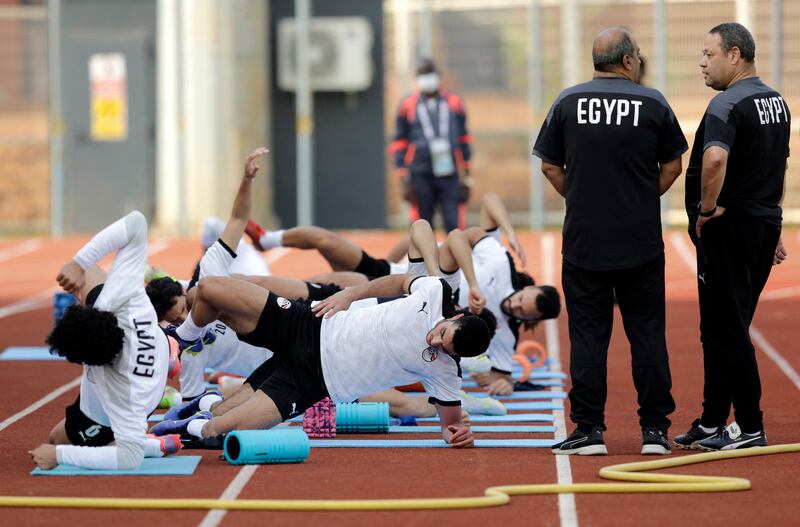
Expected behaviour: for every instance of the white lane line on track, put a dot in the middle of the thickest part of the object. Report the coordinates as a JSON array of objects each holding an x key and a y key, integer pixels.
[
  {"x": 684, "y": 251},
  {"x": 43, "y": 299},
  {"x": 58, "y": 392},
  {"x": 215, "y": 516},
  {"x": 20, "y": 249},
  {"x": 567, "y": 509}
]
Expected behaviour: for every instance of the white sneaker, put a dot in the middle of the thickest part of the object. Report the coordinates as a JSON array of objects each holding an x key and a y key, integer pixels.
[
  {"x": 481, "y": 405},
  {"x": 479, "y": 364}
]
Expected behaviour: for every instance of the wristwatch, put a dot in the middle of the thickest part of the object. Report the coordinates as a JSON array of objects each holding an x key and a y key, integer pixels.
[{"x": 706, "y": 214}]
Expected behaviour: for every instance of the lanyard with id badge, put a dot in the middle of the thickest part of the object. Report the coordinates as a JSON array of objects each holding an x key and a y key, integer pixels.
[{"x": 441, "y": 152}]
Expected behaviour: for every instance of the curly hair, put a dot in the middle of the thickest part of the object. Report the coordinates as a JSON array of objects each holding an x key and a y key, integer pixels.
[
  {"x": 163, "y": 294},
  {"x": 85, "y": 335}
]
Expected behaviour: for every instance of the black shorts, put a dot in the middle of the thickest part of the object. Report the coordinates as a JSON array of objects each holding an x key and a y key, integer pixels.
[
  {"x": 83, "y": 431},
  {"x": 317, "y": 291},
  {"x": 292, "y": 377},
  {"x": 372, "y": 267}
]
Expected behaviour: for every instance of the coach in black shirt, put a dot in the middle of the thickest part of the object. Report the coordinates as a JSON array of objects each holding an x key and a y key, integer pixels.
[
  {"x": 612, "y": 147},
  {"x": 734, "y": 187}
]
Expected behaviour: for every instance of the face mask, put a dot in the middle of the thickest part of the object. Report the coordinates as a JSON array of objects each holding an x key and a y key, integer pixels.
[{"x": 428, "y": 83}]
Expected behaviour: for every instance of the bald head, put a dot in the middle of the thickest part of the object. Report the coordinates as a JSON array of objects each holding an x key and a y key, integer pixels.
[{"x": 610, "y": 48}]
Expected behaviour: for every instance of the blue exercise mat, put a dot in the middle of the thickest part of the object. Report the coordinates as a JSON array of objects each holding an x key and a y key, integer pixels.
[
  {"x": 533, "y": 405},
  {"x": 543, "y": 394},
  {"x": 28, "y": 353},
  {"x": 519, "y": 429},
  {"x": 508, "y": 418},
  {"x": 428, "y": 443},
  {"x": 469, "y": 383},
  {"x": 164, "y": 466},
  {"x": 539, "y": 375}
]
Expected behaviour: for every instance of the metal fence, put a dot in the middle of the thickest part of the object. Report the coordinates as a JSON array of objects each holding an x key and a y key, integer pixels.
[
  {"x": 491, "y": 57},
  {"x": 24, "y": 155}
]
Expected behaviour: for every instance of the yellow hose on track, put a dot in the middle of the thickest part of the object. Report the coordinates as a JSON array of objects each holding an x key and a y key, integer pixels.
[{"x": 635, "y": 476}]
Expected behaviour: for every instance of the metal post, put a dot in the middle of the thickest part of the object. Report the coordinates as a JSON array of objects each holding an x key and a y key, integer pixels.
[
  {"x": 658, "y": 69},
  {"x": 304, "y": 115},
  {"x": 745, "y": 14},
  {"x": 180, "y": 144},
  {"x": 570, "y": 42},
  {"x": 56, "y": 118},
  {"x": 535, "y": 89},
  {"x": 776, "y": 53},
  {"x": 426, "y": 30},
  {"x": 402, "y": 46}
]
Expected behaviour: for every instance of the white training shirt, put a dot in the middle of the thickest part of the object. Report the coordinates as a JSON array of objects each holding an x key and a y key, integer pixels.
[
  {"x": 382, "y": 346},
  {"x": 122, "y": 394},
  {"x": 227, "y": 353},
  {"x": 493, "y": 273}
]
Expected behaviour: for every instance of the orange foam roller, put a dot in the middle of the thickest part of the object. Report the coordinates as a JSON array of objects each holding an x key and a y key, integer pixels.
[{"x": 530, "y": 354}]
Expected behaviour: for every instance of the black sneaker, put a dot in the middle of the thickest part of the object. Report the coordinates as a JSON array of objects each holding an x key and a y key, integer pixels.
[
  {"x": 690, "y": 439},
  {"x": 654, "y": 442},
  {"x": 731, "y": 438},
  {"x": 583, "y": 444}
]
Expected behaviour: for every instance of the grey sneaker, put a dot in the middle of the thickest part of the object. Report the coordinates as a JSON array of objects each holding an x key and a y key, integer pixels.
[{"x": 732, "y": 438}]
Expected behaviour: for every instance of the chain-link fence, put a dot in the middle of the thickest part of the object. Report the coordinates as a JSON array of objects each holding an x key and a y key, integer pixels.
[
  {"x": 24, "y": 154},
  {"x": 483, "y": 50}
]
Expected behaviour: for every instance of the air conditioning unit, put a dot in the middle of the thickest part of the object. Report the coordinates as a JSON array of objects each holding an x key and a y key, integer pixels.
[{"x": 340, "y": 54}]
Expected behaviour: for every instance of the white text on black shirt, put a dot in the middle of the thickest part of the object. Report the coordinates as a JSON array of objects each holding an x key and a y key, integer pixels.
[{"x": 592, "y": 111}]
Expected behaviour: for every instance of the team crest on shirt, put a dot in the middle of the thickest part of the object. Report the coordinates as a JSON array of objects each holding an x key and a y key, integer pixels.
[
  {"x": 284, "y": 303},
  {"x": 430, "y": 354}
]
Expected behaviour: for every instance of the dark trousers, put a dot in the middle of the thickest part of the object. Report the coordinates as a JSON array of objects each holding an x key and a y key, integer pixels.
[
  {"x": 734, "y": 259},
  {"x": 589, "y": 297},
  {"x": 431, "y": 190}
]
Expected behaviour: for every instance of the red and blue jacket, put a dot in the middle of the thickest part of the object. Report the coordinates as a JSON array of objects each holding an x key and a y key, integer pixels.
[{"x": 410, "y": 146}]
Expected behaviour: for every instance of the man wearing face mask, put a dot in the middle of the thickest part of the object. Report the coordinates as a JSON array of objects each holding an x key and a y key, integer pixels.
[{"x": 432, "y": 149}]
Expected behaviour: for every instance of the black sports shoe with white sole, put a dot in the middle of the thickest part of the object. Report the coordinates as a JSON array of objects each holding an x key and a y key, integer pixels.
[
  {"x": 655, "y": 442},
  {"x": 732, "y": 438},
  {"x": 692, "y": 438},
  {"x": 582, "y": 444}
]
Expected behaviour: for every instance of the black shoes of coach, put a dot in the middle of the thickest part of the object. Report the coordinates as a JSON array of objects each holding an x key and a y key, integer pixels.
[
  {"x": 732, "y": 438},
  {"x": 691, "y": 439},
  {"x": 583, "y": 444},
  {"x": 654, "y": 442}
]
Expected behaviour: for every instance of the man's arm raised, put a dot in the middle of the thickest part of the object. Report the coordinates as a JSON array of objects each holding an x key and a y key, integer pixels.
[
  {"x": 242, "y": 203},
  {"x": 393, "y": 285}
]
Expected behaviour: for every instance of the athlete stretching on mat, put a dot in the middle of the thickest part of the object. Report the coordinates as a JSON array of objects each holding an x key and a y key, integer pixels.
[
  {"x": 223, "y": 350},
  {"x": 511, "y": 295},
  {"x": 125, "y": 356},
  {"x": 346, "y": 356}
]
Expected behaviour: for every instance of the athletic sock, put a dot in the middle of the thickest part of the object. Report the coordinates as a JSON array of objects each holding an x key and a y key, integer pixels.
[
  {"x": 271, "y": 239},
  {"x": 190, "y": 331},
  {"x": 195, "y": 427},
  {"x": 152, "y": 448},
  {"x": 708, "y": 430},
  {"x": 207, "y": 401}
]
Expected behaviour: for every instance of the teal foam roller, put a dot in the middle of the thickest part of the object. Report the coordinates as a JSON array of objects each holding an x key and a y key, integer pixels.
[
  {"x": 362, "y": 418},
  {"x": 256, "y": 447}
]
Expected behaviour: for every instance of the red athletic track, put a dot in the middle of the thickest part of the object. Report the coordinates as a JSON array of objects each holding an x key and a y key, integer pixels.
[{"x": 366, "y": 473}]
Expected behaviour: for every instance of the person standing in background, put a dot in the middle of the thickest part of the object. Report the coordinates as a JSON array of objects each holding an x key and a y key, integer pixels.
[{"x": 432, "y": 150}]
